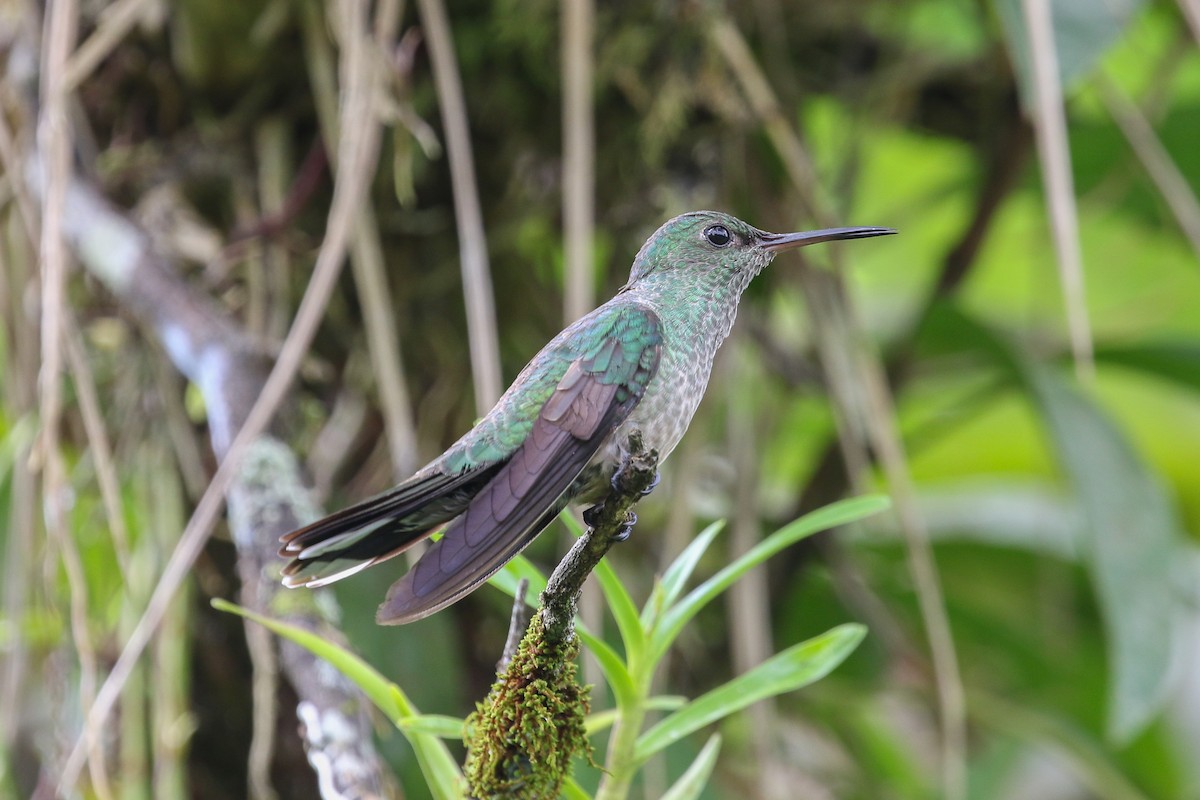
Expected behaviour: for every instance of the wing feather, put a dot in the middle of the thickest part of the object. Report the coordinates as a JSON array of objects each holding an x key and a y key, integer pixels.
[{"x": 595, "y": 395}]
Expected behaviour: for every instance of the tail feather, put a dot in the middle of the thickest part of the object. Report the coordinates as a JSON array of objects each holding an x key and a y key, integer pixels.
[{"x": 378, "y": 528}]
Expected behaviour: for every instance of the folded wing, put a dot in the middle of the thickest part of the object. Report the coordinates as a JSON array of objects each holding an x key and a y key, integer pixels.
[{"x": 596, "y": 394}]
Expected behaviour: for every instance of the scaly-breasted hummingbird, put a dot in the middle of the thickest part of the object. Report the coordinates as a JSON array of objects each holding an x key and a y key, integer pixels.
[{"x": 640, "y": 361}]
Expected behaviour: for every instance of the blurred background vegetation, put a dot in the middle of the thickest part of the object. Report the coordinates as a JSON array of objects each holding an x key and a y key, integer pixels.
[{"x": 1037, "y": 322}]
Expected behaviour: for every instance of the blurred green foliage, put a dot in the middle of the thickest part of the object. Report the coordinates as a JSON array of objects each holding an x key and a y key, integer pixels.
[{"x": 1065, "y": 515}]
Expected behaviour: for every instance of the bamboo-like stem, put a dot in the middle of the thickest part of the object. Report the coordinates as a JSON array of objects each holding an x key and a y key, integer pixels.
[
  {"x": 366, "y": 261},
  {"x": 579, "y": 158},
  {"x": 1054, "y": 154},
  {"x": 55, "y": 142}
]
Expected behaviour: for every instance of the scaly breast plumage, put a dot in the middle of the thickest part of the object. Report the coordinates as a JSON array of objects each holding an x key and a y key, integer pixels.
[{"x": 666, "y": 409}]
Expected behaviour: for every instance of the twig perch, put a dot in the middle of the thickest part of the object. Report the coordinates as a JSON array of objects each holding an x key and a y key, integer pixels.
[{"x": 522, "y": 737}]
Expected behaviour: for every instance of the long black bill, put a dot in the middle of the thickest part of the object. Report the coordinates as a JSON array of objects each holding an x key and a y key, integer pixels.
[{"x": 786, "y": 241}]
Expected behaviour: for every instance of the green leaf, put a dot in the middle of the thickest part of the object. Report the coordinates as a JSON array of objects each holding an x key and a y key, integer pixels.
[
  {"x": 667, "y": 590},
  {"x": 1132, "y": 540},
  {"x": 1131, "y": 532},
  {"x": 1083, "y": 32},
  {"x": 692, "y": 782},
  {"x": 611, "y": 664},
  {"x": 623, "y": 610},
  {"x": 792, "y": 669},
  {"x": 840, "y": 513},
  {"x": 439, "y": 767}
]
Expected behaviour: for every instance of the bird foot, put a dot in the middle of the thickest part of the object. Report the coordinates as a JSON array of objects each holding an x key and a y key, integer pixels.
[{"x": 591, "y": 518}]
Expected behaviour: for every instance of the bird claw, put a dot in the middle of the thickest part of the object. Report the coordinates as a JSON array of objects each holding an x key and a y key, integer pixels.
[
  {"x": 626, "y": 530},
  {"x": 653, "y": 484}
]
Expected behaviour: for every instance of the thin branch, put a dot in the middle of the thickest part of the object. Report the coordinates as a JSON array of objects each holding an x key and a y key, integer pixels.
[
  {"x": 748, "y": 604},
  {"x": 477, "y": 279},
  {"x": 1050, "y": 126},
  {"x": 517, "y": 624},
  {"x": 383, "y": 343},
  {"x": 55, "y": 142},
  {"x": 115, "y": 22},
  {"x": 761, "y": 97}
]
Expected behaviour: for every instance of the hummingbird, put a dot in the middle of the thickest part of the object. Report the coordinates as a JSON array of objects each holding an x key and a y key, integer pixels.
[{"x": 640, "y": 361}]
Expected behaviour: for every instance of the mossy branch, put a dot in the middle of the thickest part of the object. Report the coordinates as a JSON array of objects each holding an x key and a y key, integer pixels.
[{"x": 522, "y": 737}]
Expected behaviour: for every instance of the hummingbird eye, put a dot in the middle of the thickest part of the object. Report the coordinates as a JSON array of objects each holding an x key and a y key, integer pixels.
[{"x": 717, "y": 235}]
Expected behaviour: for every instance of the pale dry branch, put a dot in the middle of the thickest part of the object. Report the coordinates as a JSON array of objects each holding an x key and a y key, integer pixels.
[
  {"x": 115, "y": 22},
  {"x": 55, "y": 142},
  {"x": 477, "y": 278},
  {"x": 579, "y": 158},
  {"x": 367, "y": 263},
  {"x": 1054, "y": 154}
]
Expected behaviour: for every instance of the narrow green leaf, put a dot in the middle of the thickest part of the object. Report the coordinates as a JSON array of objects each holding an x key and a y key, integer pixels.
[
  {"x": 573, "y": 791},
  {"x": 377, "y": 688},
  {"x": 1132, "y": 540},
  {"x": 667, "y": 590},
  {"x": 611, "y": 664},
  {"x": 831, "y": 516},
  {"x": 439, "y": 725},
  {"x": 438, "y": 766},
  {"x": 692, "y": 782},
  {"x": 602, "y": 720},
  {"x": 623, "y": 609},
  {"x": 792, "y": 669}
]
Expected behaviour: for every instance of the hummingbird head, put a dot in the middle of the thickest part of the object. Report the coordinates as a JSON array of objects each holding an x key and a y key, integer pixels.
[{"x": 715, "y": 244}]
